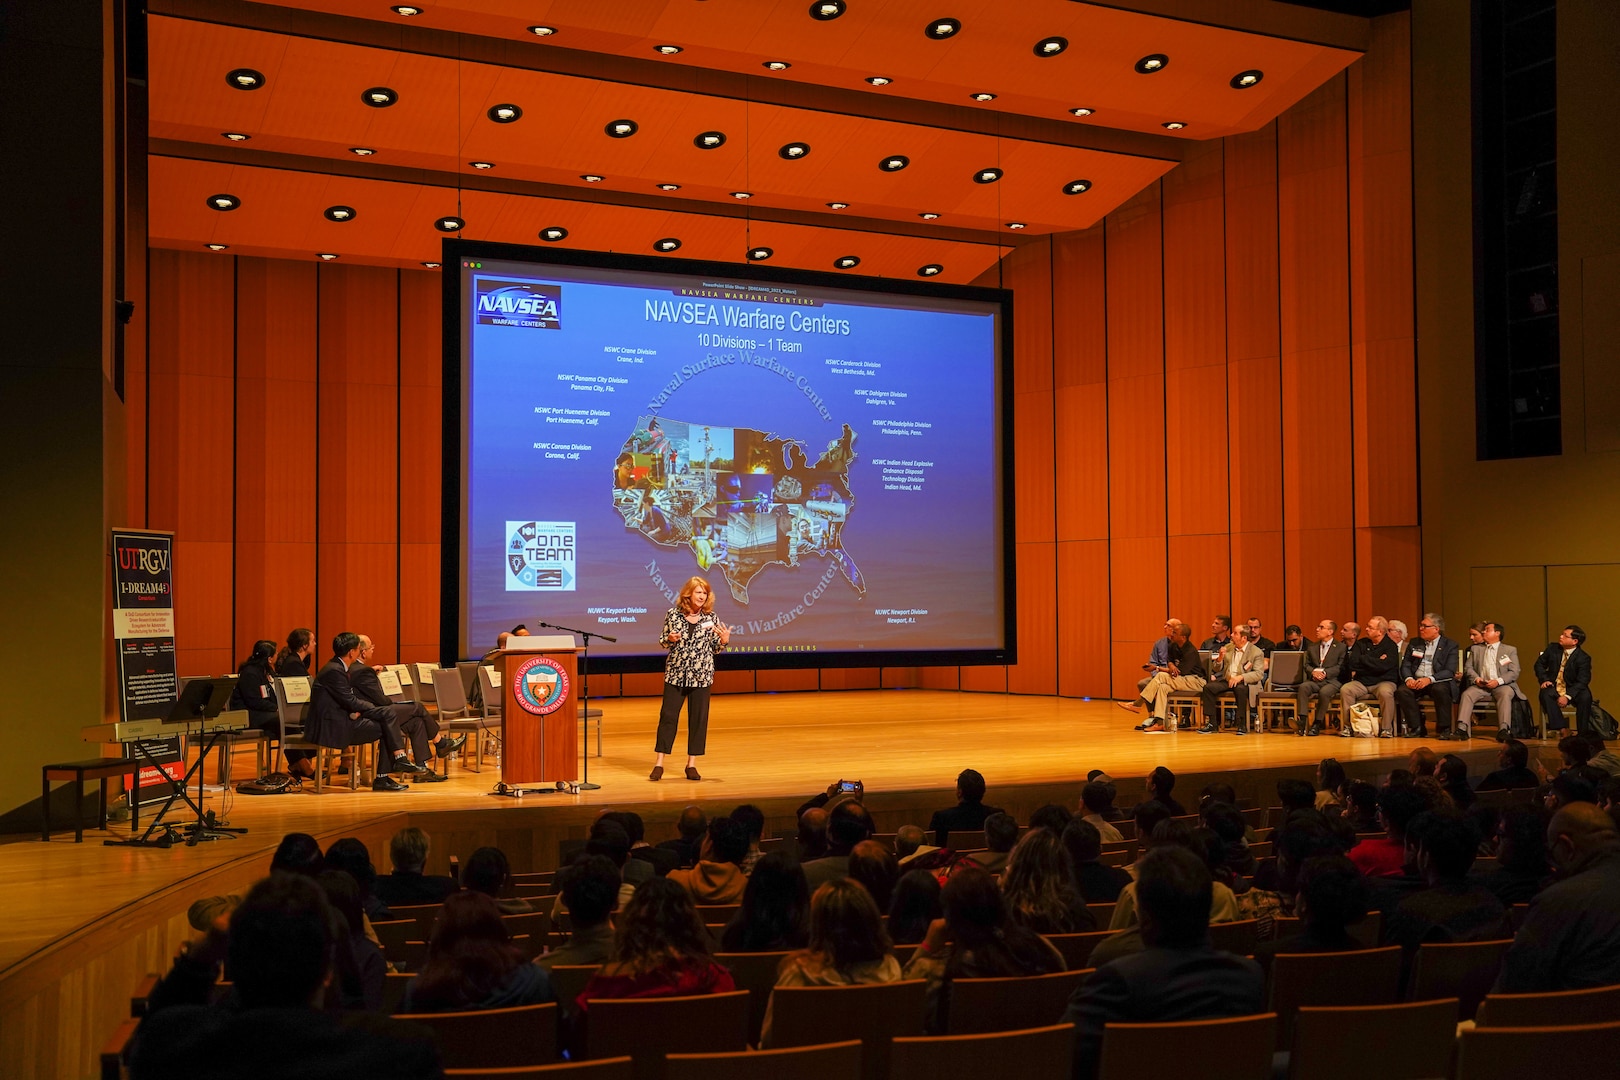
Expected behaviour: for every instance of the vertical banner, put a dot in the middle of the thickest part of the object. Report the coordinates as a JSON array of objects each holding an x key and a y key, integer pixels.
[{"x": 143, "y": 636}]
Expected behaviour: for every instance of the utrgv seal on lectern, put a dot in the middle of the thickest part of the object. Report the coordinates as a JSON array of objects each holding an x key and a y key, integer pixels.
[{"x": 541, "y": 685}]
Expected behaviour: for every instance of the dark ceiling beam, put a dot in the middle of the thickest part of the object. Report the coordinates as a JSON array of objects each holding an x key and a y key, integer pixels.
[
  {"x": 395, "y": 174},
  {"x": 1268, "y": 18},
  {"x": 663, "y": 74}
]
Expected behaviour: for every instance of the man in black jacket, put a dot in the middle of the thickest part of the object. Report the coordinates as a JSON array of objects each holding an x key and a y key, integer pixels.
[
  {"x": 339, "y": 719},
  {"x": 1371, "y": 670},
  {"x": 1570, "y": 939},
  {"x": 968, "y": 813},
  {"x": 411, "y": 716},
  {"x": 1565, "y": 673},
  {"x": 1428, "y": 670}
]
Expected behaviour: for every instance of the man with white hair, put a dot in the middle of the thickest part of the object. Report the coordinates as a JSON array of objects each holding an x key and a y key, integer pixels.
[
  {"x": 1373, "y": 667},
  {"x": 1429, "y": 670}
]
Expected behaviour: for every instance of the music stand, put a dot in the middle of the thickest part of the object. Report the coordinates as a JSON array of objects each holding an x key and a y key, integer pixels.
[{"x": 199, "y": 700}]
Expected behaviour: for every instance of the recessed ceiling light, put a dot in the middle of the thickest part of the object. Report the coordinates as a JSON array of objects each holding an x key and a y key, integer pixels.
[
  {"x": 542, "y": 31},
  {"x": 216, "y": 247},
  {"x": 406, "y": 10},
  {"x": 361, "y": 151},
  {"x": 1077, "y": 187},
  {"x": 621, "y": 129},
  {"x": 482, "y": 165},
  {"x": 552, "y": 233},
  {"x": 223, "y": 202},
  {"x": 1245, "y": 79},
  {"x": 669, "y": 187},
  {"x": 709, "y": 140},
  {"x": 931, "y": 270},
  {"x": 984, "y": 97},
  {"x": 339, "y": 213},
  {"x": 432, "y": 265},
  {"x": 450, "y": 223},
  {"x": 236, "y": 136},
  {"x": 759, "y": 254},
  {"x": 928, "y": 215},
  {"x": 1015, "y": 225},
  {"x": 793, "y": 151},
  {"x": 776, "y": 65},
  {"x": 1082, "y": 110},
  {"x": 1051, "y": 46},
  {"x": 838, "y": 206},
  {"x": 668, "y": 243},
  {"x": 827, "y": 10},
  {"x": 742, "y": 195},
  {"x": 245, "y": 78},
  {"x": 987, "y": 176},
  {"x": 504, "y": 113},
  {"x": 1151, "y": 63},
  {"x": 1174, "y": 125},
  {"x": 894, "y": 163},
  {"x": 847, "y": 262},
  {"x": 879, "y": 80},
  {"x": 591, "y": 178},
  {"x": 940, "y": 29},
  {"x": 325, "y": 256},
  {"x": 379, "y": 97},
  {"x": 666, "y": 50}
]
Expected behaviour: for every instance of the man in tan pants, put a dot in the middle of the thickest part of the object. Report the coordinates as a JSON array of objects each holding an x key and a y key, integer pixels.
[{"x": 1185, "y": 674}]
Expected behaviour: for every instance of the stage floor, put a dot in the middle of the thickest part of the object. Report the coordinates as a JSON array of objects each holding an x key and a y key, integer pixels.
[{"x": 761, "y": 747}]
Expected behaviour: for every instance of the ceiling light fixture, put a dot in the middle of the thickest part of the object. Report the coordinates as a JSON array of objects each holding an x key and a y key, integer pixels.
[
  {"x": 1245, "y": 79},
  {"x": 379, "y": 97},
  {"x": 505, "y": 113},
  {"x": 793, "y": 151},
  {"x": 553, "y": 233},
  {"x": 235, "y": 136},
  {"x": 405, "y": 10},
  {"x": 1016, "y": 225},
  {"x": 325, "y": 256},
  {"x": 742, "y": 196},
  {"x": 709, "y": 140},
  {"x": 940, "y": 29},
  {"x": 669, "y": 187},
  {"x": 361, "y": 151},
  {"x": 339, "y": 213},
  {"x": 245, "y": 79},
  {"x": 894, "y": 163},
  {"x": 984, "y": 97},
  {"x": 1173, "y": 125},
  {"x": 775, "y": 65},
  {"x": 432, "y": 265},
  {"x": 621, "y": 129},
  {"x": 591, "y": 178},
  {"x": 666, "y": 50},
  {"x": 482, "y": 165},
  {"x": 223, "y": 202},
  {"x": 838, "y": 206},
  {"x": 929, "y": 215},
  {"x": 931, "y": 270},
  {"x": 847, "y": 262},
  {"x": 1077, "y": 187},
  {"x": 827, "y": 10},
  {"x": 1051, "y": 46},
  {"x": 1151, "y": 63},
  {"x": 450, "y": 223},
  {"x": 216, "y": 247},
  {"x": 759, "y": 254},
  {"x": 1082, "y": 110},
  {"x": 667, "y": 244},
  {"x": 987, "y": 176},
  {"x": 542, "y": 31},
  {"x": 879, "y": 80}
]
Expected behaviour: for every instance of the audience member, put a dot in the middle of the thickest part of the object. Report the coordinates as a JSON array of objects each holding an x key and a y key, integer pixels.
[
  {"x": 848, "y": 945},
  {"x": 359, "y": 966},
  {"x": 1434, "y": 796},
  {"x": 1295, "y": 794},
  {"x": 1226, "y": 822},
  {"x": 1160, "y": 783},
  {"x": 1512, "y": 770},
  {"x": 692, "y": 825},
  {"x": 717, "y": 878},
  {"x": 1520, "y": 869},
  {"x": 775, "y": 908},
  {"x": 1574, "y": 750},
  {"x": 487, "y": 871},
  {"x": 472, "y": 963},
  {"x": 1051, "y": 816},
  {"x": 974, "y": 940},
  {"x": 1000, "y": 834},
  {"x": 1098, "y": 884},
  {"x": 968, "y": 814},
  {"x": 909, "y": 843},
  {"x": 871, "y": 865},
  {"x": 1453, "y": 907},
  {"x": 1602, "y": 757},
  {"x": 1362, "y": 813},
  {"x": 1223, "y": 905},
  {"x": 1178, "y": 975},
  {"x": 1572, "y": 786},
  {"x": 812, "y": 838},
  {"x": 1453, "y": 776},
  {"x": 661, "y": 950},
  {"x": 1097, "y": 802},
  {"x": 847, "y": 825},
  {"x": 351, "y": 855},
  {"x": 1384, "y": 857},
  {"x": 1331, "y": 897},
  {"x": 752, "y": 819},
  {"x": 660, "y": 860},
  {"x": 914, "y": 907},
  {"x": 1039, "y": 887},
  {"x": 1570, "y": 939},
  {"x": 590, "y": 889},
  {"x": 1331, "y": 784}
]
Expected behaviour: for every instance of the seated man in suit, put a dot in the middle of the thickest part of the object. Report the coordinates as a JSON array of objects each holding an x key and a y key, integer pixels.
[
  {"x": 969, "y": 812},
  {"x": 1491, "y": 671},
  {"x": 1565, "y": 673},
  {"x": 407, "y": 885},
  {"x": 1323, "y": 659},
  {"x": 1178, "y": 975},
  {"x": 1372, "y": 667},
  {"x": 411, "y": 716},
  {"x": 338, "y": 718},
  {"x": 1235, "y": 668},
  {"x": 1428, "y": 669}
]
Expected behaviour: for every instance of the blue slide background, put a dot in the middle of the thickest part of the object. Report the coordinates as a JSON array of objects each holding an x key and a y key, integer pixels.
[{"x": 935, "y": 549}]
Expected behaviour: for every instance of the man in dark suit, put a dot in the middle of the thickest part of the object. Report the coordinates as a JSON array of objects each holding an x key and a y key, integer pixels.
[
  {"x": 1565, "y": 674},
  {"x": 1429, "y": 669},
  {"x": 1178, "y": 975},
  {"x": 339, "y": 719},
  {"x": 968, "y": 813},
  {"x": 1372, "y": 670},
  {"x": 413, "y": 719},
  {"x": 1323, "y": 659},
  {"x": 408, "y": 885}
]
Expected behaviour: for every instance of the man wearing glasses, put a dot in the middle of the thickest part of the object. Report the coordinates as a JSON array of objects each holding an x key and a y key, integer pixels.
[
  {"x": 1323, "y": 659},
  {"x": 1428, "y": 670}
]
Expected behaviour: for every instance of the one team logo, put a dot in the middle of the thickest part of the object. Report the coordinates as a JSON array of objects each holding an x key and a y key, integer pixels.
[
  {"x": 541, "y": 685},
  {"x": 540, "y": 556},
  {"x": 517, "y": 303}
]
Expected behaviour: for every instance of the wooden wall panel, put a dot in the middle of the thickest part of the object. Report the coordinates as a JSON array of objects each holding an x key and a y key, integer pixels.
[
  {"x": 1028, "y": 273},
  {"x": 860, "y": 678},
  {"x": 421, "y": 393},
  {"x": 1036, "y": 670},
  {"x": 1197, "y": 435},
  {"x": 1200, "y": 579},
  {"x": 1035, "y": 457},
  {"x": 1084, "y": 664},
  {"x": 1135, "y": 287},
  {"x": 769, "y": 681},
  {"x": 1079, "y": 309},
  {"x": 990, "y": 679},
  {"x": 1257, "y": 580},
  {"x": 1080, "y": 474},
  {"x": 1139, "y": 598},
  {"x": 1389, "y": 578}
]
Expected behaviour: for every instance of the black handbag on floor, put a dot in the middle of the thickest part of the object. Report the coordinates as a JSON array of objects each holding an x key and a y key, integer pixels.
[{"x": 276, "y": 783}]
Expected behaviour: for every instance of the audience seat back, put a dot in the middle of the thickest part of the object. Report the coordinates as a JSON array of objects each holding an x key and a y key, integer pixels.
[
  {"x": 1031, "y": 1052},
  {"x": 1238, "y": 937},
  {"x": 1518, "y": 1053},
  {"x": 494, "y": 1038},
  {"x": 1331, "y": 1043},
  {"x": 983, "y": 1005},
  {"x": 568, "y": 980},
  {"x": 828, "y": 1061},
  {"x": 1465, "y": 970},
  {"x": 756, "y": 973},
  {"x": 1597, "y": 1005},
  {"x": 1364, "y": 977},
  {"x": 874, "y": 1013},
  {"x": 1238, "y": 1048},
  {"x": 649, "y": 1028},
  {"x": 1368, "y": 931},
  {"x": 1076, "y": 948}
]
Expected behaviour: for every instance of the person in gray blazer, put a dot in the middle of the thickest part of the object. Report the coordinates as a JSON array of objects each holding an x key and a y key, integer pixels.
[
  {"x": 1491, "y": 671},
  {"x": 1238, "y": 668}
]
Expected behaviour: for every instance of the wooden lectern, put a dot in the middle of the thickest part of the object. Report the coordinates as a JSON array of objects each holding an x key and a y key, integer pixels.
[{"x": 539, "y": 710}]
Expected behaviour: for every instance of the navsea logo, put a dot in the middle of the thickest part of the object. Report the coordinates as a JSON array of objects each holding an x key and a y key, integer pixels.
[
  {"x": 540, "y": 556},
  {"x": 517, "y": 303}
]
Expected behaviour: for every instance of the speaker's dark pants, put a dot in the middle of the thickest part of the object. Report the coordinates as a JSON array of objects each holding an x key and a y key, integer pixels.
[{"x": 697, "y": 718}]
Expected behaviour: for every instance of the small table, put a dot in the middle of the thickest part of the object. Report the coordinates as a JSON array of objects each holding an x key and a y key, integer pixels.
[{"x": 79, "y": 771}]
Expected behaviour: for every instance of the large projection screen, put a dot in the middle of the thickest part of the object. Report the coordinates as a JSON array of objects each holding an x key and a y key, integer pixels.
[{"x": 832, "y": 454}]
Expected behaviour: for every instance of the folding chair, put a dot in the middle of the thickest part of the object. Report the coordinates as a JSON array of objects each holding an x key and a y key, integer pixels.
[
  {"x": 793, "y": 1063},
  {"x": 453, "y": 713},
  {"x": 1010, "y": 1004},
  {"x": 1277, "y": 702},
  {"x": 1035, "y": 1052},
  {"x": 1331, "y": 1042},
  {"x": 1234, "y": 1049},
  {"x": 494, "y": 1038}
]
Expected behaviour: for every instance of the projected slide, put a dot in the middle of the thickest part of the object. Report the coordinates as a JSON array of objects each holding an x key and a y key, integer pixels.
[{"x": 828, "y": 458}]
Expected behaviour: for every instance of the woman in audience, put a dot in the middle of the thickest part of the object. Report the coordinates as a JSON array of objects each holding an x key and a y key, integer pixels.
[
  {"x": 487, "y": 871},
  {"x": 360, "y": 968},
  {"x": 871, "y": 865},
  {"x": 775, "y": 908},
  {"x": 1039, "y": 889},
  {"x": 472, "y": 963},
  {"x": 975, "y": 940},
  {"x": 1332, "y": 896},
  {"x": 915, "y": 905},
  {"x": 1332, "y": 785},
  {"x": 1453, "y": 774},
  {"x": 1362, "y": 811},
  {"x": 351, "y": 856},
  {"x": 847, "y": 945},
  {"x": 1435, "y": 797},
  {"x": 1226, "y": 821}
]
